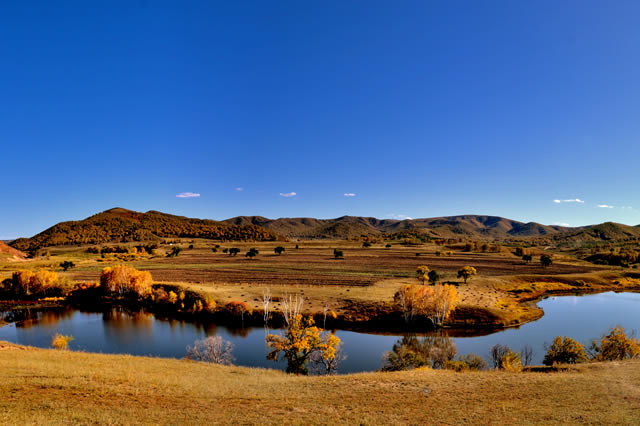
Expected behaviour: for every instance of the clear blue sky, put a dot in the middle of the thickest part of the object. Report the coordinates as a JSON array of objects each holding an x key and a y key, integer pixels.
[{"x": 420, "y": 109}]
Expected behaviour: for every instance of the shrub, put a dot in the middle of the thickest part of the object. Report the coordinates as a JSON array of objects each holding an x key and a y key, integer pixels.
[
  {"x": 125, "y": 281},
  {"x": 511, "y": 362},
  {"x": 66, "y": 265},
  {"x": 615, "y": 346},
  {"x": 564, "y": 350},
  {"x": 40, "y": 283},
  {"x": 61, "y": 342},
  {"x": 410, "y": 353},
  {"x": 498, "y": 351},
  {"x": 213, "y": 349}
]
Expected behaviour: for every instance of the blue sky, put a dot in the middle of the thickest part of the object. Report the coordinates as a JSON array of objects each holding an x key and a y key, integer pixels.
[{"x": 420, "y": 109}]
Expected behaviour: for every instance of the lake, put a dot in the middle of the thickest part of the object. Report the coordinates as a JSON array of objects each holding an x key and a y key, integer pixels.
[{"x": 581, "y": 317}]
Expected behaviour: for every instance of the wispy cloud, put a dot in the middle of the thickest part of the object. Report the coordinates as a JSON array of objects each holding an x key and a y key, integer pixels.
[
  {"x": 399, "y": 216},
  {"x": 188, "y": 195},
  {"x": 349, "y": 194},
  {"x": 288, "y": 194},
  {"x": 626, "y": 208},
  {"x": 573, "y": 200},
  {"x": 239, "y": 189},
  {"x": 605, "y": 206},
  {"x": 561, "y": 224}
]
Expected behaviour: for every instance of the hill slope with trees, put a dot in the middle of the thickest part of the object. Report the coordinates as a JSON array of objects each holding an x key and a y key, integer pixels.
[{"x": 121, "y": 225}]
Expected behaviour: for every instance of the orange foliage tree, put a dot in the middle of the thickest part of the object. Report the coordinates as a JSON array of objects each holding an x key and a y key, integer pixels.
[
  {"x": 33, "y": 283},
  {"x": 125, "y": 281},
  {"x": 301, "y": 340},
  {"x": 435, "y": 302}
]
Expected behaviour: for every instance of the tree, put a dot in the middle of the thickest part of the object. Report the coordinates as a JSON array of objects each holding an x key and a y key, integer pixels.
[
  {"x": 279, "y": 250},
  {"x": 527, "y": 258},
  {"x": 125, "y": 281},
  {"x": 234, "y": 251},
  {"x": 497, "y": 352},
  {"x": 251, "y": 253},
  {"x": 615, "y": 346},
  {"x": 410, "y": 352},
  {"x": 302, "y": 338},
  {"x": 526, "y": 354},
  {"x": 366, "y": 244},
  {"x": 564, "y": 350},
  {"x": 175, "y": 251},
  {"x": 434, "y": 277},
  {"x": 61, "y": 341},
  {"x": 338, "y": 254},
  {"x": 467, "y": 272},
  {"x": 66, "y": 265},
  {"x": 387, "y": 246},
  {"x": 435, "y": 303},
  {"x": 238, "y": 308},
  {"x": 545, "y": 260},
  {"x": 511, "y": 362},
  {"x": 422, "y": 273},
  {"x": 213, "y": 349}
]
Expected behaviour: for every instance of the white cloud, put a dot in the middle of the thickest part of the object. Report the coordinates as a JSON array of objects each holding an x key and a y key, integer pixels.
[
  {"x": 349, "y": 194},
  {"x": 288, "y": 194},
  {"x": 561, "y": 224},
  {"x": 399, "y": 216},
  {"x": 605, "y": 206},
  {"x": 188, "y": 195},
  {"x": 574, "y": 200},
  {"x": 239, "y": 189}
]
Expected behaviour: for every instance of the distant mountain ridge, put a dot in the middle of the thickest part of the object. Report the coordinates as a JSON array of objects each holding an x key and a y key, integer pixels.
[
  {"x": 121, "y": 225},
  {"x": 476, "y": 226}
]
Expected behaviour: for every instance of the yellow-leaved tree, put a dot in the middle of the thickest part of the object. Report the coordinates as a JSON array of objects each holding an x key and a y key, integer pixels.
[
  {"x": 422, "y": 273},
  {"x": 123, "y": 280},
  {"x": 434, "y": 302},
  {"x": 302, "y": 339}
]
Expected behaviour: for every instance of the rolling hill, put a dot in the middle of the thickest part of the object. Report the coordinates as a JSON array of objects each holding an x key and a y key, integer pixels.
[
  {"x": 121, "y": 225},
  {"x": 470, "y": 226},
  {"x": 6, "y": 250}
]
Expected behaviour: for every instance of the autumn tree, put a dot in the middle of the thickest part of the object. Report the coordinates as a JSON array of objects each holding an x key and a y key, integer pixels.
[
  {"x": 615, "y": 346},
  {"x": 527, "y": 258},
  {"x": 233, "y": 251},
  {"x": 366, "y": 244},
  {"x": 252, "y": 253},
  {"x": 545, "y": 260},
  {"x": 122, "y": 280},
  {"x": 564, "y": 350},
  {"x": 29, "y": 283},
  {"x": 238, "y": 308},
  {"x": 412, "y": 352},
  {"x": 302, "y": 338},
  {"x": 435, "y": 303},
  {"x": 467, "y": 272},
  {"x": 61, "y": 342},
  {"x": 422, "y": 273},
  {"x": 279, "y": 250},
  {"x": 338, "y": 254}
]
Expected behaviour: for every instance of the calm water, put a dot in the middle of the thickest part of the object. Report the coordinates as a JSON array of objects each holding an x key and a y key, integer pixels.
[{"x": 580, "y": 317}]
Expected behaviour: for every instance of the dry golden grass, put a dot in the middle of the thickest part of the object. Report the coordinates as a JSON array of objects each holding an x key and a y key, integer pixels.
[{"x": 52, "y": 387}]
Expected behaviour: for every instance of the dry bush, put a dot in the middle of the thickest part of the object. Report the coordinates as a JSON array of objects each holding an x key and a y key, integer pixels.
[{"x": 213, "y": 349}]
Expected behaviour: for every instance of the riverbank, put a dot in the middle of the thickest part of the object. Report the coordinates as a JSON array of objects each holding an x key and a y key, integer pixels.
[{"x": 53, "y": 387}]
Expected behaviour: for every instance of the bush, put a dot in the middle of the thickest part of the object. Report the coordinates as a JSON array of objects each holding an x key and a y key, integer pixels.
[
  {"x": 615, "y": 346},
  {"x": 42, "y": 283},
  {"x": 213, "y": 349},
  {"x": 564, "y": 350},
  {"x": 61, "y": 342},
  {"x": 511, "y": 362},
  {"x": 125, "y": 281}
]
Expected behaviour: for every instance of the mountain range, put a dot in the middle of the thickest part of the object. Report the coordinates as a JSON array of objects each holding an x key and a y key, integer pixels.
[{"x": 121, "y": 225}]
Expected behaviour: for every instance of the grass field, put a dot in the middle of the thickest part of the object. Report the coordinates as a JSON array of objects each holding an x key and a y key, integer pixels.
[
  {"x": 42, "y": 386},
  {"x": 362, "y": 283}
]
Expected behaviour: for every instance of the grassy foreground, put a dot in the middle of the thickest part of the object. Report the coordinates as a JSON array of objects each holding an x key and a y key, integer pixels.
[{"x": 45, "y": 386}]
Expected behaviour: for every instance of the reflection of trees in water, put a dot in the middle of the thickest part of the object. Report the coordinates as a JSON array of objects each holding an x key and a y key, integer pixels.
[
  {"x": 26, "y": 318},
  {"x": 127, "y": 325},
  {"x": 413, "y": 352}
]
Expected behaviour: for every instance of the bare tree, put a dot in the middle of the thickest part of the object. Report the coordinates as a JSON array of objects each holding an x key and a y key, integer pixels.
[
  {"x": 291, "y": 307},
  {"x": 325, "y": 310},
  {"x": 266, "y": 301},
  {"x": 526, "y": 355},
  {"x": 213, "y": 349},
  {"x": 498, "y": 351}
]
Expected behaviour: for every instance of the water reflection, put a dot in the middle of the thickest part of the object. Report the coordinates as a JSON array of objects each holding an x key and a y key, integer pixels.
[{"x": 137, "y": 332}]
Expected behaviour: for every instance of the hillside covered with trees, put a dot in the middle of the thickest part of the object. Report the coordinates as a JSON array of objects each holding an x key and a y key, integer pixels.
[{"x": 121, "y": 225}]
